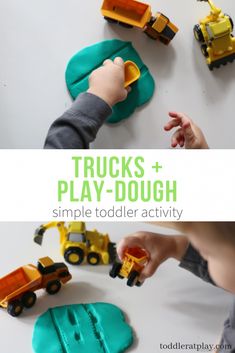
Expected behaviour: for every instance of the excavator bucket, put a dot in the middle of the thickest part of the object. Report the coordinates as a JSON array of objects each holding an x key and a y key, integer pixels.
[{"x": 38, "y": 235}]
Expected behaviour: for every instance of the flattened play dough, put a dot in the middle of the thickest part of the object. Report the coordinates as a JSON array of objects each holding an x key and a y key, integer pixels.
[
  {"x": 84, "y": 62},
  {"x": 82, "y": 328}
]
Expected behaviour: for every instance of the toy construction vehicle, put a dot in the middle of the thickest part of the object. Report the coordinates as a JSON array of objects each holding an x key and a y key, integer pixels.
[
  {"x": 131, "y": 13},
  {"x": 78, "y": 244},
  {"x": 133, "y": 264},
  {"x": 17, "y": 288},
  {"x": 215, "y": 35}
]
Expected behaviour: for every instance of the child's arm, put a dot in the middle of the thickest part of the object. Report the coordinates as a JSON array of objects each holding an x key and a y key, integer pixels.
[
  {"x": 194, "y": 262},
  {"x": 215, "y": 242},
  {"x": 78, "y": 126},
  {"x": 187, "y": 134}
]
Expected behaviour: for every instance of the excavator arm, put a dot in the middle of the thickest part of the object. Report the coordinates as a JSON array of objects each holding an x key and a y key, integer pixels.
[
  {"x": 215, "y": 11},
  {"x": 39, "y": 233}
]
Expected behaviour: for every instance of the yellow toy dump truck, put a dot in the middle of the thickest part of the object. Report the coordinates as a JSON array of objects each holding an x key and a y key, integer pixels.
[
  {"x": 78, "y": 244},
  {"x": 17, "y": 288},
  {"x": 131, "y": 13},
  {"x": 214, "y": 32},
  {"x": 133, "y": 264}
]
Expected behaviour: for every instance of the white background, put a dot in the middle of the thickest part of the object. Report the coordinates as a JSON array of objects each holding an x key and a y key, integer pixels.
[
  {"x": 39, "y": 37},
  {"x": 173, "y": 306}
]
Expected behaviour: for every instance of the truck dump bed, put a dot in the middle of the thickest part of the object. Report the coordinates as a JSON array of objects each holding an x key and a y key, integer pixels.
[
  {"x": 136, "y": 254},
  {"x": 19, "y": 281},
  {"x": 132, "y": 12}
]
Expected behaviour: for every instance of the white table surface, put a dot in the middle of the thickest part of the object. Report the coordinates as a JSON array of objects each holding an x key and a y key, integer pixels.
[
  {"x": 174, "y": 306},
  {"x": 39, "y": 37}
]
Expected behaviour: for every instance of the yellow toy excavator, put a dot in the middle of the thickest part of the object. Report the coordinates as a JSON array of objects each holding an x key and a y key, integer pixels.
[
  {"x": 214, "y": 32},
  {"x": 78, "y": 244}
]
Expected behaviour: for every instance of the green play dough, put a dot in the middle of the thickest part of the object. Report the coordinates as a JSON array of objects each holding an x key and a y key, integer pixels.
[
  {"x": 84, "y": 62},
  {"x": 82, "y": 328}
]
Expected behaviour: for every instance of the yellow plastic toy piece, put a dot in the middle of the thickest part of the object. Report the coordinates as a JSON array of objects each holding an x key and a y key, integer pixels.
[
  {"x": 132, "y": 73},
  {"x": 214, "y": 32},
  {"x": 18, "y": 287},
  {"x": 78, "y": 244}
]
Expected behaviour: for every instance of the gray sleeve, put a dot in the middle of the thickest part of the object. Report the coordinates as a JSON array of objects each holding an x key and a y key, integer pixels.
[
  {"x": 193, "y": 262},
  {"x": 79, "y": 125},
  {"x": 228, "y": 338}
]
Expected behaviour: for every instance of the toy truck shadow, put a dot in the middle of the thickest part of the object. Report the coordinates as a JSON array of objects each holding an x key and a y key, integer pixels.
[{"x": 17, "y": 288}]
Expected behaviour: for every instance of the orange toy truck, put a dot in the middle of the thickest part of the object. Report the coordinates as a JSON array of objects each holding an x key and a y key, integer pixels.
[
  {"x": 18, "y": 287},
  {"x": 131, "y": 13},
  {"x": 133, "y": 264}
]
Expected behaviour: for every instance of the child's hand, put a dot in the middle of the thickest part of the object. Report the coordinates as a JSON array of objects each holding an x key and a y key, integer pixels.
[
  {"x": 188, "y": 134},
  {"x": 158, "y": 247},
  {"x": 107, "y": 82}
]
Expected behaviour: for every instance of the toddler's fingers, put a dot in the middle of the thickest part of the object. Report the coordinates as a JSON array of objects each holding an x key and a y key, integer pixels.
[
  {"x": 107, "y": 62},
  {"x": 174, "y": 122},
  {"x": 128, "y": 89},
  {"x": 188, "y": 132},
  {"x": 183, "y": 117},
  {"x": 177, "y": 138},
  {"x": 174, "y": 114},
  {"x": 128, "y": 242},
  {"x": 119, "y": 61},
  {"x": 125, "y": 94}
]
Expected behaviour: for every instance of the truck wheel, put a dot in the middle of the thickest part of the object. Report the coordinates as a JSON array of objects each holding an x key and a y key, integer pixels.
[
  {"x": 112, "y": 252},
  {"x": 15, "y": 308},
  {"x": 150, "y": 36},
  {"x": 126, "y": 25},
  {"x": 53, "y": 287},
  {"x": 133, "y": 278},
  {"x": 74, "y": 256},
  {"x": 29, "y": 299},
  {"x": 110, "y": 20},
  {"x": 204, "y": 50},
  {"x": 93, "y": 258},
  {"x": 198, "y": 33},
  {"x": 114, "y": 272},
  {"x": 164, "y": 40}
]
